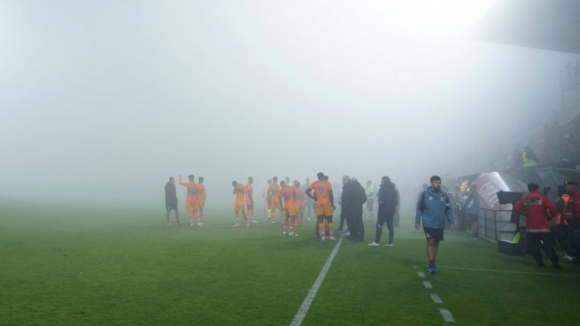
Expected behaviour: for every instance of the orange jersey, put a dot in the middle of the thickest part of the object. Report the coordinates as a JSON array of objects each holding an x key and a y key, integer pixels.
[
  {"x": 192, "y": 189},
  {"x": 249, "y": 193},
  {"x": 289, "y": 195},
  {"x": 322, "y": 188},
  {"x": 299, "y": 195},
  {"x": 201, "y": 193},
  {"x": 274, "y": 191},
  {"x": 240, "y": 192}
]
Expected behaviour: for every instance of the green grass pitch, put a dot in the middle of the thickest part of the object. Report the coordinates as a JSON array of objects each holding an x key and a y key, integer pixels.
[{"x": 74, "y": 265}]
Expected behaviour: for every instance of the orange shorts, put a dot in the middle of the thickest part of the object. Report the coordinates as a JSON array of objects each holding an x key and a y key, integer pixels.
[
  {"x": 274, "y": 203},
  {"x": 300, "y": 207},
  {"x": 201, "y": 202},
  {"x": 240, "y": 205},
  {"x": 291, "y": 209},
  {"x": 191, "y": 203},
  {"x": 323, "y": 209}
]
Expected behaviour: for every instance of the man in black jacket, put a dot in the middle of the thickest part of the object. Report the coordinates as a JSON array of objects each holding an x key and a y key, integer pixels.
[
  {"x": 171, "y": 201},
  {"x": 387, "y": 206},
  {"x": 355, "y": 198}
]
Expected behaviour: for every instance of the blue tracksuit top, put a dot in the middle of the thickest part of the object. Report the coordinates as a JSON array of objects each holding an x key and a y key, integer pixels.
[{"x": 437, "y": 208}]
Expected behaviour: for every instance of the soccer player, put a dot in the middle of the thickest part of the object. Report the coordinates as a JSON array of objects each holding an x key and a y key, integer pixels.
[
  {"x": 171, "y": 201},
  {"x": 432, "y": 209},
  {"x": 191, "y": 205},
  {"x": 324, "y": 205},
  {"x": 308, "y": 202},
  {"x": 200, "y": 200},
  {"x": 299, "y": 204},
  {"x": 274, "y": 191},
  {"x": 250, "y": 200},
  {"x": 288, "y": 194},
  {"x": 239, "y": 204},
  {"x": 266, "y": 197},
  {"x": 370, "y": 192}
]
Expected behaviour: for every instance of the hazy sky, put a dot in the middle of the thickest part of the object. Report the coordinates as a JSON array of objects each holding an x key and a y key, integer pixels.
[{"x": 104, "y": 100}]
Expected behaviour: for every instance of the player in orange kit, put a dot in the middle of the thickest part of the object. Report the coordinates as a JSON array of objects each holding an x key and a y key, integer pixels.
[
  {"x": 288, "y": 194},
  {"x": 299, "y": 204},
  {"x": 191, "y": 204},
  {"x": 324, "y": 205},
  {"x": 239, "y": 204},
  {"x": 200, "y": 200},
  {"x": 274, "y": 191},
  {"x": 250, "y": 200}
]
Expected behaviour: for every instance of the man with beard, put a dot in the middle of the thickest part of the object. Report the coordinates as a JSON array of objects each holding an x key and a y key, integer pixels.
[{"x": 432, "y": 209}]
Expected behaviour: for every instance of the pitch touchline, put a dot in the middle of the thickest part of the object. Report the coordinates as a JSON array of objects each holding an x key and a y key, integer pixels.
[
  {"x": 314, "y": 289},
  {"x": 500, "y": 271}
]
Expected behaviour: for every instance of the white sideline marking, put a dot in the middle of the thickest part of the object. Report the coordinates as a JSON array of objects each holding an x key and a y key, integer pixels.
[
  {"x": 421, "y": 274},
  {"x": 511, "y": 272},
  {"x": 299, "y": 317},
  {"x": 447, "y": 315},
  {"x": 427, "y": 285},
  {"x": 436, "y": 298}
]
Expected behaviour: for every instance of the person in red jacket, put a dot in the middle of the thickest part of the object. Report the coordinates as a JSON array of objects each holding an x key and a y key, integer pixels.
[{"x": 534, "y": 206}]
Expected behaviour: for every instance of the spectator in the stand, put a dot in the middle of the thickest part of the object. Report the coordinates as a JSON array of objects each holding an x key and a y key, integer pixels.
[
  {"x": 515, "y": 159},
  {"x": 529, "y": 159},
  {"x": 472, "y": 211},
  {"x": 534, "y": 206}
]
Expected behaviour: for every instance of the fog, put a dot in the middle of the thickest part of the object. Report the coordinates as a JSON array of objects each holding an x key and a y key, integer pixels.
[{"x": 102, "y": 101}]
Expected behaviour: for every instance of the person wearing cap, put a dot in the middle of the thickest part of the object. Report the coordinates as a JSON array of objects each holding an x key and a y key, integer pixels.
[
  {"x": 533, "y": 206},
  {"x": 572, "y": 216}
]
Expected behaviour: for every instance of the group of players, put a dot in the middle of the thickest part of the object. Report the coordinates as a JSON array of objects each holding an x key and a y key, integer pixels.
[
  {"x": 194, "y": 201},
  {"x": 289, "y": 199}
]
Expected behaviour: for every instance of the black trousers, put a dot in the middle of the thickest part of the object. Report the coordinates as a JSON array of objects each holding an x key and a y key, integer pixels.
[
  {"x": 342, "y": 220},
  {"x": 382, "y": 218},
  {"x": 544, "y": 241},
  {"x": 356, "y": 226}
]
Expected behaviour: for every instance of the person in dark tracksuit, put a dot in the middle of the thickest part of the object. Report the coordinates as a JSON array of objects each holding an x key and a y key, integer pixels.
[
  {"x": 171, "y": 201},
  {"x": 344, "y": 207},
  {"x": 388, "y": 202},
  {"x": 360, "y": 200}
]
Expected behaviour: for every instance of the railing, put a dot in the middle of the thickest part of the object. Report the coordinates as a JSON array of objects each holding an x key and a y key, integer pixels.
[{"x": 494, "y": 224}]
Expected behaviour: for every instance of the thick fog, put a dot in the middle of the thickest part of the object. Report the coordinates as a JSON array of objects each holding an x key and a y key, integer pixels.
[{"x": 103, "y": 101}]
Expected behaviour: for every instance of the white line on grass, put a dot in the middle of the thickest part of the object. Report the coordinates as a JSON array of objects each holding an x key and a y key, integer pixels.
[
  {"x": 421, "y": 274},
  {"x": 314, "y": 289},
  {"x": 436, "y": 298},
  {"x": 447, "y": 315},
  {"x": 500, "y": 271},
  {"x": 427, "y": 285}
]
